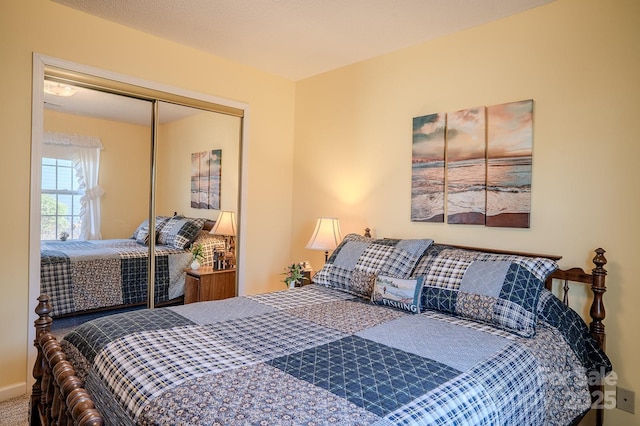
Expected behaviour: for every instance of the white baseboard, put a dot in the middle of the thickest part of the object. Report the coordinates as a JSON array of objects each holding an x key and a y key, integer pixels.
[{"x": 12, "y": 391}]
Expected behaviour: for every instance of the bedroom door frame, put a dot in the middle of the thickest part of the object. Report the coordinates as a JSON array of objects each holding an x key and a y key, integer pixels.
[{"x": 40, "y": 63}]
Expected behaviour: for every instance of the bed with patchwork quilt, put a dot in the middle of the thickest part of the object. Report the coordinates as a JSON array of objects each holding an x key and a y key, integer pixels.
[
  {"x": 392, "y": 332},
  {"x": 82, "y": 276}
]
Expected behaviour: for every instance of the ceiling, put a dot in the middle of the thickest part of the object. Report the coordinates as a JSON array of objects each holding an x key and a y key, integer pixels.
[
  {"x": 109, "y": 106},
  {"x": 301, "y": 38},
  {"x": 291, "y": 38}
]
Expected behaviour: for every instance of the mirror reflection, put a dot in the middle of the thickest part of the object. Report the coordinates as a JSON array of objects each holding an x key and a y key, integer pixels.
[{"x": 95, "y": 198}]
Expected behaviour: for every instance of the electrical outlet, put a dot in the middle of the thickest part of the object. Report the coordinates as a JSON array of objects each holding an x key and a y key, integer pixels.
[{"x": 625, "y": 399}]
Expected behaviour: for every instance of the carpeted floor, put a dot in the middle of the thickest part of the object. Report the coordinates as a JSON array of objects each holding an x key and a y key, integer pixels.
[{"x": 15, "y": 411}]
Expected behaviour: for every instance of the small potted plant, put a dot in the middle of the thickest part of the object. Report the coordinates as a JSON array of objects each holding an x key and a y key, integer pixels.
[
  {"x": 293, "y": 275},
  {"x": 197, "y": 255},
  {"x": 64, "y": 235}
]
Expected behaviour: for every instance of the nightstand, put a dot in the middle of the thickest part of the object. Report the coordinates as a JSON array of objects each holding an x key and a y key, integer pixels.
[{"x": 206, "y": 283}]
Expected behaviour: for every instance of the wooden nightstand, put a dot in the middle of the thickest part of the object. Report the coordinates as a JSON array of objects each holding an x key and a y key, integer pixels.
[{"x": 206, "y": 283}]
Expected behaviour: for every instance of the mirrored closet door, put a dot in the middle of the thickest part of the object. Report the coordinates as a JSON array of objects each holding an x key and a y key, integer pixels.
[{"x": 117, "y": 161}]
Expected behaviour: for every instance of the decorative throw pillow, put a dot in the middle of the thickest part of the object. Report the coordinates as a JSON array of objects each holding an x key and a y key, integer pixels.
[
  {"x": 357, "y": 261},
  {"x": 398, "y": 293},
  {"x": 502, "y": 290},
  {"x": 141, "y": 234},
  {"x": 180, "y": 231}
]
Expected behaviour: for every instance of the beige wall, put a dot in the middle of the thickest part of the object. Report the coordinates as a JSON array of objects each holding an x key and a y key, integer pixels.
[
  {"x": 51, "y": 29},
  {"x": 124, "y": 168},
  {"x": 579, "y": 60},
  {"x": 203, "y": 131},
  {"x": 124, "y": 164}
]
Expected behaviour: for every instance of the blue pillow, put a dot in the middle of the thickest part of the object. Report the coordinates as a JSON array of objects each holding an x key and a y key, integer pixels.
[{"x": 501, "y": 290}]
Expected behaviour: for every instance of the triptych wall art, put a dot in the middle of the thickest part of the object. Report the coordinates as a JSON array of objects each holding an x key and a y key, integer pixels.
[
  {"x": 474, "y": 166},
  {"x": 205, "y": 179}
]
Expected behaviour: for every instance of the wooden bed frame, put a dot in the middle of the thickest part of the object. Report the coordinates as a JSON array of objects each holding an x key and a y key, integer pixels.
[{"x": 59, "y": 398}]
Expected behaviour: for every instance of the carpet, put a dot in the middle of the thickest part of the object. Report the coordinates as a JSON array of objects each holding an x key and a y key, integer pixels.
[{"x": 15, "y": 411}]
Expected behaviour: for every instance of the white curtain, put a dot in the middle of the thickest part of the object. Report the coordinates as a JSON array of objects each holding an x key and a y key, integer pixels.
[{"x": 85, "y": 153}]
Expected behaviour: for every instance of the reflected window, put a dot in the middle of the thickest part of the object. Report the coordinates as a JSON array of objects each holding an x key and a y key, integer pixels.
[{"x": 60, "y": 207}]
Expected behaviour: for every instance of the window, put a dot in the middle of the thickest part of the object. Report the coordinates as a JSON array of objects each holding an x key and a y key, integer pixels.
[{"x": 60, "y": 200}]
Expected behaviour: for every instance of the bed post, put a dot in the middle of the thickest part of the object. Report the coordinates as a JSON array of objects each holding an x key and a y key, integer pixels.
[
  {"x": 42, "y": 325},
  {"x": 57, "y": 396},
  {"x": 596, "y": 327},
  {"x": 597, "y": 306}
]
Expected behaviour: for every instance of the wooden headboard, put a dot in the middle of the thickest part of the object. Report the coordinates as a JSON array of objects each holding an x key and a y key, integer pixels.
[
  {"x": 596, "y": 279},
  {"x": 209, "y": 224}
]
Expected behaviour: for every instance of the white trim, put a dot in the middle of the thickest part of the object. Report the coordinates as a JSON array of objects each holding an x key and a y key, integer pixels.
[
  {"x": 12, "y": 391},
  {"x": 110, "y": 75},
  {"x": 37, "y": 126},
  {"x": 37, "y": 112}
]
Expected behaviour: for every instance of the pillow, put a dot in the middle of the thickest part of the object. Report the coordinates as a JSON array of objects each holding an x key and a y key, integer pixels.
[
  {"x": 180, "y": 231},
  {"x": 398, "y": 293},
  {"x": 210, "y": 243},
  {"x": 501, "y": 290},
  {"x": 141, "y": 234},
  {"x": 357, "y": 261}
]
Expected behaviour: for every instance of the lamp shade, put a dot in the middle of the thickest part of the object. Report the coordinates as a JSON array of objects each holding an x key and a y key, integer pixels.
[
  {"x": 327, "y": 234},
  {"x": 225, "y": 224}
]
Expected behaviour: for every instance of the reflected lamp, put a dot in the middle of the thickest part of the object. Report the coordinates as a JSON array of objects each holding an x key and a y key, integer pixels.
[{"x": 226, "y": 226}]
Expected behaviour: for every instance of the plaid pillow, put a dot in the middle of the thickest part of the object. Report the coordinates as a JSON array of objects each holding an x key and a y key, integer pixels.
[
  {"x": 210, "y": 243},
  {"x": 502, "y": 290},
  {"x": 180, "y": 231},
  {"x": 356, "y": 263},
  {"x": 141, "y": 234}
]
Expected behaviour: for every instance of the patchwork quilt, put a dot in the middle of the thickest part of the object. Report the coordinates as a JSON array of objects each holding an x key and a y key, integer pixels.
[
  {"x": 82, "y": 275},
  {"x": 315, "y": 355}
]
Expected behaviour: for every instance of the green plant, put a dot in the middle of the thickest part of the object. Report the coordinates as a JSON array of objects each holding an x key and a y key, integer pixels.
[
  {"x": 49, "y": 207},
  {"x": 293, "y": 272},
  {"x": 197, "y": 252}
]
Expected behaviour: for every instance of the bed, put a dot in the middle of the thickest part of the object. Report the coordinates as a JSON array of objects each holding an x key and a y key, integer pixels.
[
  {"x": 390, "y": 332},
  {"x": 85, "y": 276}
]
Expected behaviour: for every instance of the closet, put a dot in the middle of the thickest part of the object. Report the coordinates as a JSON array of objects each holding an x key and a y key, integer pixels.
[{"x": 145, "y": 134}]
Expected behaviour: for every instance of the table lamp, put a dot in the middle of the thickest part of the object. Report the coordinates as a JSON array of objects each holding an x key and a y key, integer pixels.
[{"x": 326, "y": 236}]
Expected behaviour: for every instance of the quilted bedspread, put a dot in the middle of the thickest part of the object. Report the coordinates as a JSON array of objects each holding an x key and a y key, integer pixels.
[
  {"x": 315, "y": 356},
  {"x": 82, "y": 275}
]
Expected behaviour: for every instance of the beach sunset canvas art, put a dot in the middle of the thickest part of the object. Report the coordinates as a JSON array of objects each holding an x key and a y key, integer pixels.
[
  {"x": 427, "y": 168},
  {"x": 205, "y": 179},
  {"x": 466, "y": 166},
  {"x": 509, "y": 164}
]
